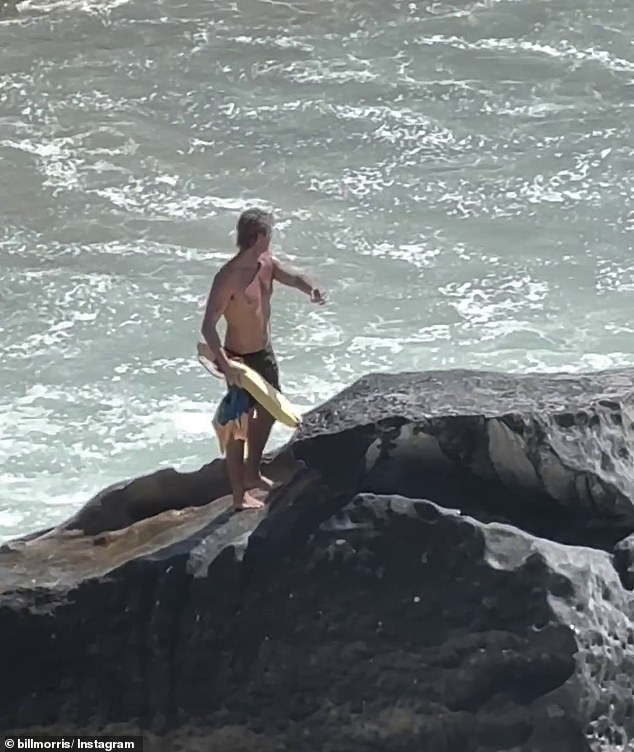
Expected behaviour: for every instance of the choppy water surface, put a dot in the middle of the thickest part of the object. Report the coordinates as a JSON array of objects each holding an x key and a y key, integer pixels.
[{"x": 459, "y": 176}]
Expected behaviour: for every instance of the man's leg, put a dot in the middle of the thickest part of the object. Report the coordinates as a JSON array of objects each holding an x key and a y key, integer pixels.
[
  {"x": 242, "y": 499},
  {"x": 260, "y": 421},
  {"x": 260, "y": 425}
]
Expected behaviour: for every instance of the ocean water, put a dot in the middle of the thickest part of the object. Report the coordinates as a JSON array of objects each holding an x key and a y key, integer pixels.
[{"x": 457, "y": 175}]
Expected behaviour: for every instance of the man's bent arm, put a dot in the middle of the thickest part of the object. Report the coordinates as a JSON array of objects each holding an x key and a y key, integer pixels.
[
  {"x": 292, "y": 278},
  {"x": 217, "y": 301}
]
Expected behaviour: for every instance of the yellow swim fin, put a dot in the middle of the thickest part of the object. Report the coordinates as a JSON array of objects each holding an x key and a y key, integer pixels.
[{"x": 259, "y": 388}]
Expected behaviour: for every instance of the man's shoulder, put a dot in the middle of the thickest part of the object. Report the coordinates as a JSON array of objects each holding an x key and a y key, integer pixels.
[{"x": 226, "y": 271}]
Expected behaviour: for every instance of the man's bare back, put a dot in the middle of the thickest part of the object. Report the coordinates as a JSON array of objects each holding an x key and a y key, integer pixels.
[{"x": 241, "y": 294}]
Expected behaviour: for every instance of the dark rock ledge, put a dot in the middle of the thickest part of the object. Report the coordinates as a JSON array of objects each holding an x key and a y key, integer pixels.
[{"x": 445, "y": 566}]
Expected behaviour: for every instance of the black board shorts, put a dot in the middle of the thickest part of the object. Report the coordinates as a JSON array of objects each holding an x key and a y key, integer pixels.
[{"x": 263, "y": 362}]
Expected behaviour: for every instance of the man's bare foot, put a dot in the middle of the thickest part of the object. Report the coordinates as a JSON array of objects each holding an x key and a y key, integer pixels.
[
  {"x": 259, "y": 481},
  {"x": 248, "y": 502}
]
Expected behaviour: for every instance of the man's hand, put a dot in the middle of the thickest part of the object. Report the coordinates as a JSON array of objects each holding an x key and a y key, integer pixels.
[
  {"x": 317, "y": 296},
  {"x": 232, "y": 374}
]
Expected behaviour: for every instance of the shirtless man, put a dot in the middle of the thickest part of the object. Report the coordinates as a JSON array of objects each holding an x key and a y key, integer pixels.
[{"x": 241, "y": 292}]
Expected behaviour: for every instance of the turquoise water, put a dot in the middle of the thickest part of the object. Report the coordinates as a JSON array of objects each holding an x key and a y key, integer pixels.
[{"x": 458, "y": 177}]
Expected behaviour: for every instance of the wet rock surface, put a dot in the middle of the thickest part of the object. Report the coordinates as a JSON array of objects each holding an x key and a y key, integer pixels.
[{"x": 435, "y": 570}]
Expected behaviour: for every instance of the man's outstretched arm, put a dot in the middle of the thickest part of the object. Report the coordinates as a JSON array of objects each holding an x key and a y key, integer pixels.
[{"x": 297, "y": 280}]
